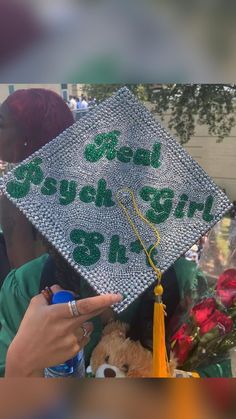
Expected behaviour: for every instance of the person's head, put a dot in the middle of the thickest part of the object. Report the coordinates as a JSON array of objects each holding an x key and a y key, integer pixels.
[{"x": 29, "y": 119}]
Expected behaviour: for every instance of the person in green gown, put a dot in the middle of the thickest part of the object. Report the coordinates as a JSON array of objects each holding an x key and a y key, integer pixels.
[{"x": 28, "y": 323}]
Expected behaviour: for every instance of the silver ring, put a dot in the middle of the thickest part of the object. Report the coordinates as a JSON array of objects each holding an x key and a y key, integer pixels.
[
  {"x": 85, "y": 332},
  {"x": 73, "y": 309}
]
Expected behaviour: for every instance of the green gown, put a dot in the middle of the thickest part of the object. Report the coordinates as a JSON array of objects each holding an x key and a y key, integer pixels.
[{"x": 23, "y": 283}]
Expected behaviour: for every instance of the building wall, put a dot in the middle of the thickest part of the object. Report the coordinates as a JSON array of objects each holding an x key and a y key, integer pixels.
[
  {"x": 218, "y": 159},
  {"x": 75, "y": 89},
  {"x": 3, "y": 92}
]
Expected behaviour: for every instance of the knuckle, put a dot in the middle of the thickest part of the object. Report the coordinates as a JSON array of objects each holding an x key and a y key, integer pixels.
[
  {"x": 49, "y": 320},
  {"x": 69, "y": 341},
  {"x": 60, "y": 330},
  {"x": 72, "y": 343},
  {"x": 75, "y": 348},
  {"x": 33, "y": 300},
  {"x": 75, "y": 341},
  {"x": 52, "y": 314},
  {"x": 84, "y": 307}
]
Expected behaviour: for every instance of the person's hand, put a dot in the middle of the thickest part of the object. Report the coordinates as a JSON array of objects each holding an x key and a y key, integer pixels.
[{"x": 49, "y": 335}]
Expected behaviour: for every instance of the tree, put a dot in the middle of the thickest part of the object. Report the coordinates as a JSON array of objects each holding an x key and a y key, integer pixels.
[
  {"x": 103, "y": 91},
  {"x": 187, "y": 104}
]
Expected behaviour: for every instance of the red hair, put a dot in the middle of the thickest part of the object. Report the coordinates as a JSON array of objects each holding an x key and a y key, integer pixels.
[{"x": 40, "y": 114}]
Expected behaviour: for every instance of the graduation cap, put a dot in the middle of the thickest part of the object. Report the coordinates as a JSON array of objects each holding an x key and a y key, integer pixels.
[{"x": 118, "y": 197}]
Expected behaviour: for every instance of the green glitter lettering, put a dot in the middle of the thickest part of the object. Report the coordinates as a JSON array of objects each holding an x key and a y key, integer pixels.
[
  {"x": 147, "y": 193},
  {"x": 87, "y": 194},
  {"x": 161, "y": 203},
  {"x": 136, "y": 247},
  {"x": 104, "y": 146},
  {"x": 49, "y": 186},
  {"x": 193, "y": 207},
  {"x": 207, "y": 216},
  {"x": 27, "y": 173},
  {"x": 142, "y": 157},
  {"x": 155, "y": 155},
  {"x": 162, "y": 206},
  {"x": 179, "y": 211},
  {"x": 104, "y": 196},
  {"x": 124, "y": 154},
  {"x": 88, "y": 252},
  {"x": 67, "y": 191},
  {"x": 117, "y": 251}
]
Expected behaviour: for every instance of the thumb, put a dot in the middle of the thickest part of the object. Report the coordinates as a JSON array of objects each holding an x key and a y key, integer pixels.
[{"x": 55, "y": 288}]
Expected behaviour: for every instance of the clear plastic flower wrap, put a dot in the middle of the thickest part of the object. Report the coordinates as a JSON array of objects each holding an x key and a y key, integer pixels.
[{"x": 203, "y": 335}]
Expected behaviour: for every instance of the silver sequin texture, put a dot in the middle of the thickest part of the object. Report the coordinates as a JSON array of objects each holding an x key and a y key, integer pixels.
[{"x": 63, "y": 159}]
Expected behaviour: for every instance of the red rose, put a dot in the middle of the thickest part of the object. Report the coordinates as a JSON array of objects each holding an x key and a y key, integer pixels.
[
  {"x": 182, "y": 343},
  {"x": 203, "y": 311},
  {"x": 181, "y": 332},
  {"x": 182, "y": 348},
  {"x": 218, "y": 319},
  {"x": 226, "y": 287}
]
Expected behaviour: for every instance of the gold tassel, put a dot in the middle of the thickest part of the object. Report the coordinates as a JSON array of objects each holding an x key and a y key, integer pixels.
[{"x": 160, "y": 361}]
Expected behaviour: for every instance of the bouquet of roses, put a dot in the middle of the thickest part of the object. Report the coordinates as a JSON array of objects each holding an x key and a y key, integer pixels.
[{"x": 210, "y": 330}]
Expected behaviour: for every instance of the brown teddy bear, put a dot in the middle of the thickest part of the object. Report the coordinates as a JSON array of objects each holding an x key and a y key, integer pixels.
[{"x": 116, "y": 356}]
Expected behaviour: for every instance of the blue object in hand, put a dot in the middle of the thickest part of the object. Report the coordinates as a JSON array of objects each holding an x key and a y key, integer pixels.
[{"x": 73, "y": 367}]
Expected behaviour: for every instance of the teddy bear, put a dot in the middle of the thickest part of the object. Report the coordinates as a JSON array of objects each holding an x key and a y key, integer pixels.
[{"x": 118, "y": 356}]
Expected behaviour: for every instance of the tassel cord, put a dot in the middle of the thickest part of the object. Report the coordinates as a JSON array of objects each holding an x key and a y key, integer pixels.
[{"x": 160, "y": 358}]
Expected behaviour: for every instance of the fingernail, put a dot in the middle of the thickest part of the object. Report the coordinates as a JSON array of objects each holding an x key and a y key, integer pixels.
[{"x": 118, "y": 297}]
